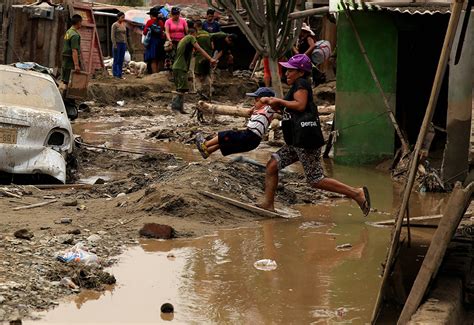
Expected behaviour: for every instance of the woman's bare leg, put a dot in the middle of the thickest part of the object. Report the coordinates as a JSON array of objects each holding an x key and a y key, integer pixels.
[
  {"x": 333, "y": 185},
  {"x": 271, "y": 184}
]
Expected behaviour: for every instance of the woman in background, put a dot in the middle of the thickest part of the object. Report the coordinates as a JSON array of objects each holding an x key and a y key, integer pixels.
[
  {"x": 119, "y": 42},
  {"x": 154, "y": 50}
]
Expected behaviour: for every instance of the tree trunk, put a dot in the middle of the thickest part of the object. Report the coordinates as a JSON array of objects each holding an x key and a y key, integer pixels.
[
  {"x": 276, "y": 79},
  {"x": 222, "y": 109}
]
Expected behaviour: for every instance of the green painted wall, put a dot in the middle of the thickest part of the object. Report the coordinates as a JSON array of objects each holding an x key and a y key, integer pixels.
[{"x": 366, "y": 134}]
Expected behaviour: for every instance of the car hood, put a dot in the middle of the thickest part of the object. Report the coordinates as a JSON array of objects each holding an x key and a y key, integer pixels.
[{"x": 34, "y": 117}]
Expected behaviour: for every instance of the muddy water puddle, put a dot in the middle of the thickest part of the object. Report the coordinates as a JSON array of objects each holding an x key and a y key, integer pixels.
[
  {"x": 213, "y": 279},
  {"x": 116, "y": 134}
]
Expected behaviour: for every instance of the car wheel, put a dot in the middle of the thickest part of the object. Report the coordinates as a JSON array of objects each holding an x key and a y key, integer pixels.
[{"x": 71, "y": 110}]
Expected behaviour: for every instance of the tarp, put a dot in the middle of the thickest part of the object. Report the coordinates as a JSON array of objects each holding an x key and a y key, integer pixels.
[{"x": 139, "y": 16}]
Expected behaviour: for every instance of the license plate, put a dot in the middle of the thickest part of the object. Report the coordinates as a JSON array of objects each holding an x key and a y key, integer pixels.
[{"x": 8, "y": 136}]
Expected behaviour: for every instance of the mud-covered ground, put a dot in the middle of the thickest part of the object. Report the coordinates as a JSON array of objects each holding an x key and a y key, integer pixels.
[{"x": 146, "y": 186}]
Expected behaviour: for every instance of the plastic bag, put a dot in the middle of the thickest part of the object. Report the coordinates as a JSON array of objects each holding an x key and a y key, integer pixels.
[
  {"x": 265, "y": 265},
  {"x": 78, "y": 253},
  {"x": 127, "y": 58}
]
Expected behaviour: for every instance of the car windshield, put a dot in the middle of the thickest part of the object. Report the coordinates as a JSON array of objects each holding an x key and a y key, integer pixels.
[{"x": 24, "y": 89}]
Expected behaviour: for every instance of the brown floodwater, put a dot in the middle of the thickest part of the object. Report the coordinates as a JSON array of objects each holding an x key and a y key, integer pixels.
[
  {"x": 119, "y": 135},
  {"x": 213, "y": 279}
]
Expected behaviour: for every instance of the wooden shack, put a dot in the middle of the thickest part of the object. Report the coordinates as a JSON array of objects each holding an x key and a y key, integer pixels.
[
  {"x": 91, "y": 52},
  {"x": 34, "y": 33}
]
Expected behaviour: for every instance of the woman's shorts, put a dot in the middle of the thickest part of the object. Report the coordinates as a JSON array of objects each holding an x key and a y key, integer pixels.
[{"x": 309, "y": 158}]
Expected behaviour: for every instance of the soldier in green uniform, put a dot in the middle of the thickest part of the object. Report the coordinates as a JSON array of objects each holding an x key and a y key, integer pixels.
[
  {"x": 181, "y": 63},
  {"x": 71, "y": 49},
  {"x": 204, "y": 39}
]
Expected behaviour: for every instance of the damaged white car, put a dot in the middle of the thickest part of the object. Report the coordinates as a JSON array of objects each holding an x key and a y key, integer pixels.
[{"x": 35, "y": 132}]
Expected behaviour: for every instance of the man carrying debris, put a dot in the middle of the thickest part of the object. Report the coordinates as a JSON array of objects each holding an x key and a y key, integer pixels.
[
  {"x": 181, "y": 63},
  {"x": 203, "y": 68},
  {"x": 231, "y": 141},
  {"x": 223, "y": 43},
  {"x": 72, "y": 49}
]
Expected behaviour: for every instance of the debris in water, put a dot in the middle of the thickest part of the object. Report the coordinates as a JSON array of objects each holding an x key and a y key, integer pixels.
[
  {"x": 343, "y": 247},
  {"x": 310, "y": 224},
  {"x": 265, "y": 265},
  {"x": 167, "y": 308},
  {"x": 340, "y": 312}
]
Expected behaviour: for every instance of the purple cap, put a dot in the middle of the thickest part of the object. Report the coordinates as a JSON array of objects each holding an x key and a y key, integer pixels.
[{"x": 299, "y": 62}]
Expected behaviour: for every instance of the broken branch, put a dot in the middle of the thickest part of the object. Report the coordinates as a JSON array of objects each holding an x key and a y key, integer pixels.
[{"x": 36, "y": 205}]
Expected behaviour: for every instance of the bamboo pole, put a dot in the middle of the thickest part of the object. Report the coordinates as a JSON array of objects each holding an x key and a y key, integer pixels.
[
  {"x": 308, "y": 13},
  {"x": 405, "y": 145},
  {"x": 455, "y": 208},
  {"x": 443, "y": 60}
]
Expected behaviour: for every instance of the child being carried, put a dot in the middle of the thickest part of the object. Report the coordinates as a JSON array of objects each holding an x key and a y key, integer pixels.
[{"x": 229, "y": 142}]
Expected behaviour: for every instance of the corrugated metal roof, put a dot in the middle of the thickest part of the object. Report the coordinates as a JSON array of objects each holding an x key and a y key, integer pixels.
[
  {"x": 422, "y": 10},
  {"x": 429, "y": 9}
]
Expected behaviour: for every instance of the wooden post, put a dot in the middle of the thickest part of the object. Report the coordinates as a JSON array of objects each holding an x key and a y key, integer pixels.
[
  {"x": 413, "y": 167},
  {"x": 457, "y": 205},
  {"x": 276, "y": 79}
]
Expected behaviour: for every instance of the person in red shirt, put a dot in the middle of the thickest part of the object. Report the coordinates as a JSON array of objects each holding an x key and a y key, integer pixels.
[{"x": 154, "y": 51}]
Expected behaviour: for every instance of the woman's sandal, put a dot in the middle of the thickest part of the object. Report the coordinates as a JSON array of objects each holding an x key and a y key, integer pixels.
[{"x": 365, "y": 207}]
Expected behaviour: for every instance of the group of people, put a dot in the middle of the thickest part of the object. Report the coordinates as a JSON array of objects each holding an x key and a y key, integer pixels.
[
  {"x": 165, "y": 35},
  {"x": 161, "y": 39},
  {"x": 318, "y": 51}
]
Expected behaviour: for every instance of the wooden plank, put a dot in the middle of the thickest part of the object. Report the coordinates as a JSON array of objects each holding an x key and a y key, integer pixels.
[
  {"x": 65, "y": 186},
  {"x": 391, "y": 222},
  {"x": 245, "y": 206},
  {"x": 36, "y": 205},
  {"x": 457, "y": 204},
  {"x": 413, "y": 220}
]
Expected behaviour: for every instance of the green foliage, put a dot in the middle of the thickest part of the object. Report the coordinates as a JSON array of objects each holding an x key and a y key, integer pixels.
[{"x": 129, "y": 3}]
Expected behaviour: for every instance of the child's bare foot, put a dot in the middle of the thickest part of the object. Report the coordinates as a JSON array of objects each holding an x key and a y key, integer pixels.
[{"x": 263, "y": 205}]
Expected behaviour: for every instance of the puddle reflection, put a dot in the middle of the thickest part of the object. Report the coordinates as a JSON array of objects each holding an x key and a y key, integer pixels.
[{"x": 212, "y": 279}]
